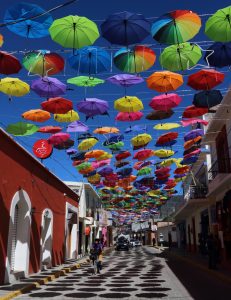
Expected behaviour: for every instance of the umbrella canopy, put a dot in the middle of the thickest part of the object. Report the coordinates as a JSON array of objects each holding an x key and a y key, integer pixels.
[
  {"x": 168, "y": 162},
  {"x": 43, "y": 62},
  {"x": 194, "y": 121},
  {"x": 168, "y": 137},
  {"x": 205, "y": 79},
  {"x": 128, "y": 104},
  {"x": 71, "y": 151},
  {"x": 58, "y": 138},
  {"x": 20, "y": 19},
  {"x": 219, "y": 55},
  {"x": 189, "y": 160},
  {"x": 165, "y": 102},
  {"x": 163, "y": 153},
  {"x": 77, "y": 126},
  {"x": 101, "y": 163},
  {"x": 207, "y": 99},
  {"x": 14, "y": 87},
  {"x": 141, "y": 139},
  {"x": 125, "y": 172},
  {"x": 104, "y": 157},
  {"x": 79, "y": 156},
  {"x": 88, "y": 144},
  {"x": 105, "y": 171},
  {"x": 190, "y": 143},
  {"x": 115, "y": 147},
  {"x": 125, "y": 28},
  {"x": 135, "y": 60},
  {"x": 129, "y": 116},
  {"x": 92, "y": 107},
  {"x": 120, "y": 164},
  {"x": 74, "y": 32},
  {"x": 180, "y": 57},
  {"x": 113, "y": 139},
  {"x": 125, "y": 80},
  {"x": 190, "y": 149},
  {"x": 106, "y": 130},
  {"x": 193, "y": 111},
  {"x": 9, "y": 64},
  {"x": 85, "y": 81},
  {"x": 94, "y": 153},
  {"x": 48, "y": 87},
  {"x": 193, "y": 134},
  {"x": 159, "y": 115},
  {"x": 50, "y": 129},
  {"x": 21, "y": 129},
  {"x": 141, "y": 164},
  {"x": 195, "y": 152},
  {"x": 1, "y": 40},
  {"x": 218, "y": 26},
  {"x": 144, "y": 171},
  {"x": 65, "y": 145},
  {"x": 164, "y": 81},
  {"x": 57, "y": 105},
  {"x": 36, "y": 115},
  {"x": 70, "y": 116},
  {"x": 181, "y": 170},
  {"x": 143, "y": 154},
  {"x": 166, "y": 126},
  {"x": 90, "y": 60},
  {"x": 176, "y": 27},
  {"x": 162, "y": 171},
  {"x": 136, "y": 128},
  {"x": 122, "y": 155}
]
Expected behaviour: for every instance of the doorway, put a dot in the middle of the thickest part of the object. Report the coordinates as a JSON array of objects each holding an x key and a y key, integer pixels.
[{"x": 46, "y": 239}]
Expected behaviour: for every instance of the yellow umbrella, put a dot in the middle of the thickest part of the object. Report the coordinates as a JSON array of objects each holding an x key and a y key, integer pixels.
[
  {"x": 94, "y": 179},
  {"x": 70, "y": 116},
  {"x": 128, "y": 104},
  {"x": 166, "y": 126},
  {"x": 106, "y": 130},
  {"x": 162, "y": 153},
  {"x": 141, "y": 139},
  {"x": 154, "y": 193},
  {"x": 177, "y": 162},
  {"x": 106, "y": 155},
  {"x": 36, "y": 115},
  {"x": 168, "y": 162},
  {"x": 14, "y": 87},
  {"x": 87, "y": 144}
]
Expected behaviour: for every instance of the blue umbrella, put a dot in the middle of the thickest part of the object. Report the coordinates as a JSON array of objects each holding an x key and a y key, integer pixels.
[
  {"x": 219, "y": 55},
  {"x": 125, "y": 28},
  {"x": 90, "y": 60},
  {"x": 207, "y": 98},
  {"x": 78, "y": 156},
  {"x": 193, "y": 134},
  {"x": 125, "y": 172},
  {"x": 136, "y": 128},
  {"x": 189, "y": 160},
  {"x": 22, "y": 19},
  {"x": 113, "y": 139}
]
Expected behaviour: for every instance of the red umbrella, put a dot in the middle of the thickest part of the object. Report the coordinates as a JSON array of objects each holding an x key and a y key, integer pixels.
[
  {"x": 143, "y": 154},
  {"x": 205, "y": 79},
  {"x": 58, "y": 138},
  {"x": 57, "y": 105},
  {"x": 193, "y": 111},
  {"x": 165, "y": 102},
  {"x": 129, "y": 116},
  {"x": 163, "y": 177},
  {"x": 122, "y": 155},
  {"x": 162, "y": 171},
  {"x": 9, "y": 64},
  {"x": 181, "y": 170},
  {"x": 193, "y": 153},
  {"x": 50, "y": 129},
  {"x": 78, "y": 162},
  {"x": 168, "y": 137}
]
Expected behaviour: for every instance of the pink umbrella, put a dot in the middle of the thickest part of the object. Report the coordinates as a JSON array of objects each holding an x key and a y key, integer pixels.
[
  {"x": 165, "y": 102},
  {"x": 194, "y": 121},
  {"x": 101, "y": 163},
  {"x": 162, "y": 171},
  {"x": 193, "y": 153},
  {"x": 58, "y": 138},
  {"x": 129, "y": 116}
]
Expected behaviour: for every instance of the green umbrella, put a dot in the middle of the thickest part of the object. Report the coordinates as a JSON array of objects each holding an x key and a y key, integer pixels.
[
  {"x": 218, "y": 26},
  {"x": 115, "y": 146},
  {"x": 144, "y": 171},
  {"x": 74, "y": 32},
  {"x": 83, "y": 165},
  {"x": 180, "y": 57},
  {"x": 22, "y": 129},
  {"x": 85, "y": 81}
]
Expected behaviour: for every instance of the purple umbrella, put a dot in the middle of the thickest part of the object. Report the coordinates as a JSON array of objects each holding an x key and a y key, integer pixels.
[
  {"x": 125, "y": 80},
  {"x": 105, "y": 171},
  {"x": 193, "y": 134},
  {"x": 92, "y": 107},
  {"x": 77, "y": 126},
  {"x": 48, "y": 87},
  {"x": 71, "y": 151}
]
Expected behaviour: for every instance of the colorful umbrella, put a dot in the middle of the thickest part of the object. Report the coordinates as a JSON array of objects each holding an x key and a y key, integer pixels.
[
  {"x": 163, "y": 153},
  {"x": 181, "y": 170},
  {"x": 90, "y": 60},
  {"x": 77, "y": 126},
  {"x": 125, "y": 28},
  {"x": 122, "y": 155},
  {"x": 143, "y": 154},
  {"x": 190, "y": 143},
  {"x": 65, "y": 145},
  {"x": 205, "y": 79},
  {"x": 74, "y": 32},
  {"x": 50, "y": 129},
  {"x": 194, "y": 121},
  {"x": 180, "y": 57},
  {"x": 106, "y": 130},
  {"x": 115, "y": 147},
  {"x": 218, "y": 26},
  {"x": 94, "y": 153},
  {"x": 1, "y": 40},
  {"x": 48, "y": 87},
  {"x": 164, "y": 81},
  {"x": 166, "y": 126},
  {"x": 162, "y": 171},
  {"x": 85, "y": 81},
  {"x": 9, "y": 64},
  {"x": 168, "y": 137},
  {"x": 70, "y": 116},
  {"x": 120, "y": 164},
  {"x": 125, "y": 80},
  {"x": 104, "y": 157},
  {"x": 137, "y": 128},
  {"x": 193, "y": 134},
  {"x": 207, "y": 99},
  {"x": 125, "y": 172},
  {"x": 88, "y": 144},
  {"x": 168, "y": 162},
  {"x": 113, "y": 139},
  {"x": 135, "y": 60},
  {"x": 144, "y": 171},
  {"x": 219, "y": 55},
  {"x": 128, "y": 104},
  {"x": 20, "y": 19},
  {"x": 58, "y": 138},
  {"x": 21, "y": 129},
  {"x": 105, "y": 171},
  {"x": 165, "y": 102},
  {"x": 189, "y": 160},
  {"x": 14, "y": 87},
  {"x": 129, "y": 116},
  {"x": 36, "y": 115},
  {"x": 57, "y": 105},
  {"x": 92, "y": 107},
  {"x": 159, "y": 115},
  {"x": 195, "y": 152},
  {"x": 141, "y": 139},
  {"x": 192, "y": 111},
  {"x": 43, "y": 62},
  {"x": 176, "y": 27},
  {"x": 101, "y": 163}
]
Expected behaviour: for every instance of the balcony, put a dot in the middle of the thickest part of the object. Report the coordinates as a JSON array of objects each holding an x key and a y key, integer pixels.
[{"x": 197, "y": 192}]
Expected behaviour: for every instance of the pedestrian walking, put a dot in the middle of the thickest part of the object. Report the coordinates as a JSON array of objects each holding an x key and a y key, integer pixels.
[
  {"x": 96, "y": 256},
  {"x": 154, "y": 241}
]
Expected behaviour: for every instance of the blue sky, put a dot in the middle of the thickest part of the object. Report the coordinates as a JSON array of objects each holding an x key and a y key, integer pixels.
[{"x": 11, "y": 112}]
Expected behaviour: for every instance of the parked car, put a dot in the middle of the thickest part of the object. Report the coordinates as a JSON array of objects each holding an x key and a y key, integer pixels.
[
  {"x": 135, "y": 243},
  {"x": 122, "y": 244}
]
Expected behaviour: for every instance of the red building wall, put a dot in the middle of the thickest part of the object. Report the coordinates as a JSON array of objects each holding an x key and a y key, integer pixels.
[{"x": 19, "y": 170}]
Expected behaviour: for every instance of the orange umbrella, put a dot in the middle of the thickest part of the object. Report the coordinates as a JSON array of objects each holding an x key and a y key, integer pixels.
[
  {"x": 190, "y": 143},
  {"x": 106, "y": 130},
  {"x": 182, "y": 170},
  {"x": 36, "y": 115},
  {"x": 164, "y": 81},
  {"x": 86, "y": 171},
  {"x": 94, "y": 153}
]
